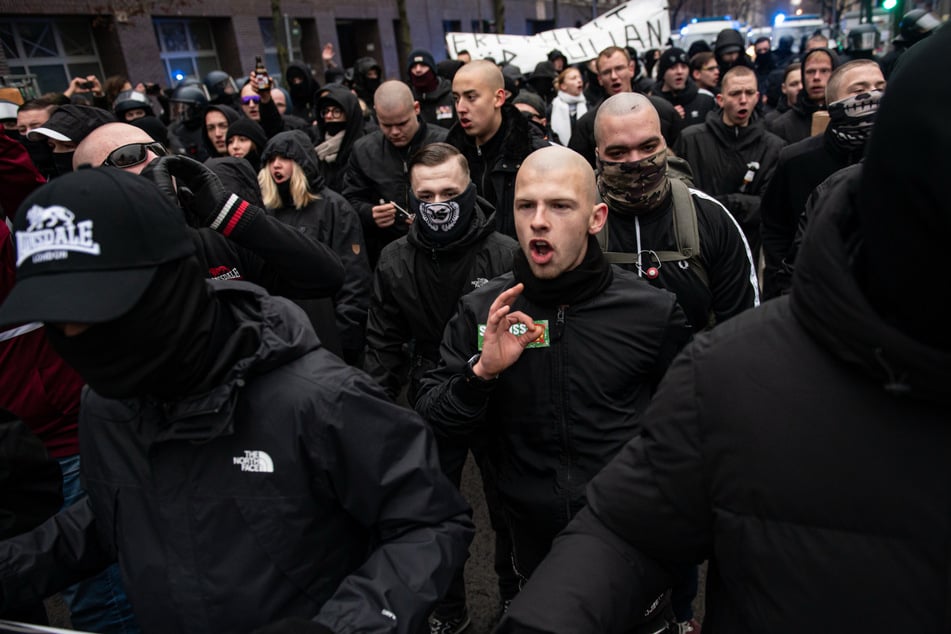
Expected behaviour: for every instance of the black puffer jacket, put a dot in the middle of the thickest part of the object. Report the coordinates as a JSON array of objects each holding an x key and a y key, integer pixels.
[
  {"x": 806, "y": 432},
  {"x": 560, "y": 413},
  {"x": 721, "y": 156},
  {"x": 259, "y": 500},
  {"x": 416, "y": 289},
  {"x": 494, "y": 175},
  {"x": 695, "y": 104},
  {"x": 376, "y": 170},
  {"x": 331, "y": 220},
  {"x": 436, "y": 107}
]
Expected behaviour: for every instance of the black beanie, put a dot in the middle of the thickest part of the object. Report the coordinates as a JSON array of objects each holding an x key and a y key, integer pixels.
[
  {"x": 902, "y": 203},
  {"x": 251, "y": 129},
  {"x": 728, "y": 41},
  {"x": 421, "y": 56},
  {"x": 669, "y": 58}
]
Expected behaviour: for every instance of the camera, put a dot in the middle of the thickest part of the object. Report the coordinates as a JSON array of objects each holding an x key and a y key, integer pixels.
[{"x": 86, "y": 85}]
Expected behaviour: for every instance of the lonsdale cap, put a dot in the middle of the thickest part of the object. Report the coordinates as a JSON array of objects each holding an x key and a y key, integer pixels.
[
  {"x": 88, "y": 245},
  {"x": 71, "y": 123}
]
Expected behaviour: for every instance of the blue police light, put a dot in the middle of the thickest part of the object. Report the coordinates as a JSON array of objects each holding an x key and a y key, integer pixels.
[
  {"x": 178, "y": 75},
  {"x": 683, "y": 31},
  {"x": 693, "y": 21},
  {"x": 779, "y": 19}
]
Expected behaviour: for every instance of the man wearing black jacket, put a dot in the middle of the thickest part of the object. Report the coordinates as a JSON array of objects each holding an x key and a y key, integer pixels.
[
  {"x": 676, "y": 86},
  {"x": 555, "y": 361},
  {"x": 377, "y": 176},
  {"x": 853, "y": 93},
  {"x": 732, "y": 156},
  {"x": 803, "y": 448},
  {"x": 253, "y": 246},
  {"x": 494, "y": 137},
  {"x": 451, "y": 249},
  {"x": 796, "y": 123},
  {"x": 223, "y": 468},
  {"x": 434, "y": 93}
]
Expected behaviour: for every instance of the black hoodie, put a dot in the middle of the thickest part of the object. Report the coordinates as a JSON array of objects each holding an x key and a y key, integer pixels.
[
  {"x": 302, "y": 94},
  {"x": 341, "y": 96},
  {"x": 230, "y": 114},
  {"x": 695, "y": 104}
]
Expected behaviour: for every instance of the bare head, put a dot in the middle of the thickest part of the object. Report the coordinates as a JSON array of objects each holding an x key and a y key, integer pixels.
[
  {"x": 478, "y": 90},
  {"x": 396, "y": 112},
  {"x": 97, "y": 146},
  {"x": 853, "y": 78},
  {"x": 627, "y": 128}
]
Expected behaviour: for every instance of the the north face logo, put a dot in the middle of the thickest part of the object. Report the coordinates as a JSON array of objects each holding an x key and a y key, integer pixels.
[
  {"x": 479, "y": 282},
  {"x": 256, "y": 461},
  {"x": 52, "y": 233}
]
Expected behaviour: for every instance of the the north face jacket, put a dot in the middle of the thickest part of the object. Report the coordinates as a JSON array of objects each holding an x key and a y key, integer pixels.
[
  {"x": 413, "y": 279},
  {"x": 276, "y": 494},
  {"x": 696, "y": 105}
]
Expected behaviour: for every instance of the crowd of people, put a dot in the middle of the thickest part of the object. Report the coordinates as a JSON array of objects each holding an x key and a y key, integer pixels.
[{"x": 250, "y": 335}]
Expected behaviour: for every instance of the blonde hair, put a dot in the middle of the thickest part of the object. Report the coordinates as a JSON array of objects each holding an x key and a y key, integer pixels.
[{"x": 300, "y": 189}]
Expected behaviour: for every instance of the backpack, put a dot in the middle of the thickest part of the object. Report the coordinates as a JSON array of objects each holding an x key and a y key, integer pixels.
[{"x": 686, "y": 235}]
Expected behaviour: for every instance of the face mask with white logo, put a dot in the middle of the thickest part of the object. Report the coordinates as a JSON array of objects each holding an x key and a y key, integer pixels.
[
  {"x": 445, "y": 222},
  {"x": 851, "y": 119}
]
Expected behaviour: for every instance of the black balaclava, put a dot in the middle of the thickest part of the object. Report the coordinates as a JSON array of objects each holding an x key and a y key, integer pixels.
[
  {"x": 444, "y": 222},
  {"x": 177, "y": 340},
  {"x": 63, "y": 162},
  {"x": 902, "y": 203},
  {"x": 41, "y": 154}
]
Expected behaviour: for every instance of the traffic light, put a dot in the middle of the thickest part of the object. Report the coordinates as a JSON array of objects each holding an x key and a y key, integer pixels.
[{"x": 888, "y": 5}]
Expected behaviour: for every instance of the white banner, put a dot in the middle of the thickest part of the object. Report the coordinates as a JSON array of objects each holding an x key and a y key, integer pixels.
[{"x": 642, "y": 24}]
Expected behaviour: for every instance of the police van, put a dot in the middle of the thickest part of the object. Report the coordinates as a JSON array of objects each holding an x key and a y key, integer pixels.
[{"x": 705, "y": 29}]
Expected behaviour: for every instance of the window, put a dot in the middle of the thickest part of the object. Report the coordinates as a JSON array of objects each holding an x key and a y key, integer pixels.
[
  {"x": 55, "y": 50},
  {"x": 270, "y": 44},
  {"x": 451, "y": 26},
  {"x": 186, "y": 48}
]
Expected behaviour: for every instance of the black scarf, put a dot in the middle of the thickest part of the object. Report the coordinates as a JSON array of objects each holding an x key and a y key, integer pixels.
[
  {"x": 585, "y": 281},
  {"x": 177, "y": 340}
]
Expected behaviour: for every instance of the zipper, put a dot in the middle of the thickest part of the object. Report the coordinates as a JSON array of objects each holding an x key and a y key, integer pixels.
[
  {"x": 637, "y": 229},
  {"x": 565, "y": 442}
]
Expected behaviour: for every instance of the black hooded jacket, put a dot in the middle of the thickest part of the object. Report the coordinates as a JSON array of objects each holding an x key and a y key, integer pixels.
[
  {"x": 796, "y": 123},
  {"x": 302, "y": 94},
  {"x": 331, "y": 220},
  {"x": 376, "y": 170},
  {"x": 363, "y": 85},
  {"x": 810, "y": 431},
  {"x": 416, "y": 289},
  {"x": 801, "y": 167},
  {"x": 258, "y": 500},
  {"x": 333, "y": 173},
  {"x": 722, "y": 157},
  {"x": 494, "y": 165},
  {"x": 695, "y": 104},
  {"x": 436, "y": 107},
  {"x": 231, "y": 115}
]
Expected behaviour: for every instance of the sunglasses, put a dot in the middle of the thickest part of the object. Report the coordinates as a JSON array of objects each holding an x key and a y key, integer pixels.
[
  {"x": 133, "y": 154},
  {"x": 250, "y": 99}
]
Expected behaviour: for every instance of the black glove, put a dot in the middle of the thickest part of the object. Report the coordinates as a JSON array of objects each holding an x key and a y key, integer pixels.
[
  {"x": 207, "y": 199},
  {"x": 294, "y": 625}
]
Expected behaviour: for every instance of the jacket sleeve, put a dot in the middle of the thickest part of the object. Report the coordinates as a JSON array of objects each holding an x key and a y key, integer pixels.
[
  {"x": 359, "y": 190},
  {"x": 775, "y": 227},
  {"x": 56, "y": 554},
  {"x": 387, "y": 332},
  {"x": 649, "y": 513},
  {"x": 729, "y": 262},
  {"x": 382, "y": 463},
  {"x": 453, "y": 406},
  {"x": 353, "y": 298},
  {"x": 271, "y": 119},
  {"x": 285, "y": 261}
]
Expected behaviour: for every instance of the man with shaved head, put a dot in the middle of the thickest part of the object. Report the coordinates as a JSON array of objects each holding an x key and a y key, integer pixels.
[
  {"x": 376, "y": 182},
  {"x": 554, "y": 361},
  {"x": 493, "y": 136},
  {"x": 713, "y": 279},
  {"x": 235, "y": 240}
]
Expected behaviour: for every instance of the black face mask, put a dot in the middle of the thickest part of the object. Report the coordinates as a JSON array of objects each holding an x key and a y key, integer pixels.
[
  {"x": 334, "y": 127},
  {"x": 63, "y": 162},
  {"x": 41, "y": 154},
  {"x": 444, "y": 222}
]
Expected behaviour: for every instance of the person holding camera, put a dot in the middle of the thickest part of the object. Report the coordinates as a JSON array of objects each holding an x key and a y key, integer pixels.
[{"x": 294, "y": 192}]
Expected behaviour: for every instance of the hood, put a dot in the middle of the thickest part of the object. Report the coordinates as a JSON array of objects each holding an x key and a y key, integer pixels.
[
  {"x": 284, "y": 334},
  {"x": 828, "y": 300},
  {"x": 733, "y": 136},
  {"x": 303, "y": 92},
  {"x": 682, "y": 98},
  {"x": 238, "y": 177},
  {"x": 341, "y": 96},
  {"x": 483, "y": 223},
  {"x": 230, "y": 114},
  {"x": 296, "y": 145},
  {"x": 903, "y": 204}
]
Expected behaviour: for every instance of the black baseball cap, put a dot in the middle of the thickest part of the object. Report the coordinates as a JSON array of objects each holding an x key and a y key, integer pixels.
[
  {"x": 88, "y": 244},
  {"x": 72, "y": 123}
]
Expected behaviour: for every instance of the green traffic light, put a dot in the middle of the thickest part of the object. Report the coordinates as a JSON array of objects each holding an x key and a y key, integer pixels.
[{"x": 888, "y": 5}]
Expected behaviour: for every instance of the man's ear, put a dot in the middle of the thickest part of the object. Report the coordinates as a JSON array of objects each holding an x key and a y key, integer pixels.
[
  {"x": 499, "y": 97},
  {"x": 416, "y": 107},
  {"x": 598, "y": 218},
  {"x": 720, "y": 99}
]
